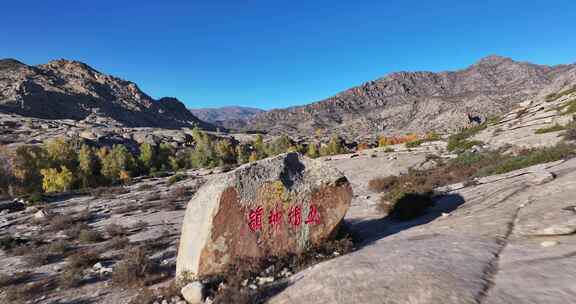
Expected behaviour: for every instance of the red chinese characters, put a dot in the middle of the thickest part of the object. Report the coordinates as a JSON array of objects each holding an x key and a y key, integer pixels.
[
  {"x": 255, "y": 219},
  {"x": 295, "y": 216},
  {"x": 275, "y": 217},
  {"x": 313, "y": 216}
]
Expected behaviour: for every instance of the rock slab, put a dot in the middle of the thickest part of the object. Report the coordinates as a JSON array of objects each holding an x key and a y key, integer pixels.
[{"x": 275, "y": 206}]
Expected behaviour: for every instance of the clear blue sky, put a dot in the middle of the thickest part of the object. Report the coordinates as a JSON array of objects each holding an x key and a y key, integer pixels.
[{"x": 277, "y": 53}]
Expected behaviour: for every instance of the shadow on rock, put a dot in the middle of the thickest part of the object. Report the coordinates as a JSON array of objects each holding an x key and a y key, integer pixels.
[{"x": 398, "y": 220}]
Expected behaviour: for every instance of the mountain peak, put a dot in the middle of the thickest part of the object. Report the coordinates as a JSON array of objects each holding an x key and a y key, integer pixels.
[
  {"x": 494, "y": 60},
  {"x": 70, "y": 65},
  {"x": 10, "y": 63}
]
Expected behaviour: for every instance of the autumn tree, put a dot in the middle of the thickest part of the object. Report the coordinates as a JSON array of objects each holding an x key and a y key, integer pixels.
[
  {"x": 165, "y": 153},
  {"x": 242, "y": 153},
  {"x": 259, "y": 147},
  {"x": 147, "y": 157},
  {"x": 253, "y": 156},
  {"x": 28, "y": 161},
  {"x": 312, "y": 151},
  {"x": 87, "y": 165},
  {"x": 225, "y": 152},
  {"x": 281, "y": 145},
  {"x": 60, "y": 152},
  {"x": 56, "y": 181},
  {"x": 117, "y": 164}
]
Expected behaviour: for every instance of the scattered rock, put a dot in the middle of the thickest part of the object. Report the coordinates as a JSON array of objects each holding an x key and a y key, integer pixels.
[
  {"x": 42, "y": 214},
  {"x": 193, "y": 293},
  {"x": 549, "y": 243},
  {"x": 541, "y": 177},
  {"x": 566, "y": 228}
]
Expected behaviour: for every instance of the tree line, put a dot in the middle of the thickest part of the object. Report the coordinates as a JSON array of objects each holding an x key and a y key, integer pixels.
[{"x": 61, "y": 165}]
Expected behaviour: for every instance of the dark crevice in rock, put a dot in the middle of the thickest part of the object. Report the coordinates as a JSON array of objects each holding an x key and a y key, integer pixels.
[{"x": 492, "y": 268}]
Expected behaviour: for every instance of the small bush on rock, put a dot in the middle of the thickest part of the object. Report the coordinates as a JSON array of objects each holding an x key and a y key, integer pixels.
[
  {"x": 134, "y": 268},
  {"x": 87, "y": 236},
  {"x": 410, "y": 205},
  {"x": 383, "y": 184},
  {"x": 115, "y": 230},
  {"x": 176, "y": 178},
  {"x": 82, "y": 260}
]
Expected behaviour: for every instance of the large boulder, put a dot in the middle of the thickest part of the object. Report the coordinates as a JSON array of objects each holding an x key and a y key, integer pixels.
[{"x": 271, "y": 207}]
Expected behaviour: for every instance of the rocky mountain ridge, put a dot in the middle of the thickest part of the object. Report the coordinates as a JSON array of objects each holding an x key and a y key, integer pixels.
[
  {"x": 418, "y": 101},
  {"x": 64, "y": 89}
]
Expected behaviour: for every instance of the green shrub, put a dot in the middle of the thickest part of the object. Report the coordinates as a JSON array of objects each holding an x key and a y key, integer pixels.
[
  {"x": 570, "y": 133},
  {"x": 459, "y": 142},
  {"x": 553, "y": 128},
  {"x": 60, "y": 247},
  {"x": 176, "y": 178},
  {"x": 570, "y": 107},
  {"x": 528, "y": 158},
  {"x": 159, "y": 174},
  {"x": 414, "y": 143},
  {"x": 462, "y": 145},
  {"x": 34, "y": 198}
]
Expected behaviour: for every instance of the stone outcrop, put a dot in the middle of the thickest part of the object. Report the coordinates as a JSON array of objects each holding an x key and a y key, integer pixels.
[
  {"x": 509, "y": 239},
  {"x": 274, "y": 206}
]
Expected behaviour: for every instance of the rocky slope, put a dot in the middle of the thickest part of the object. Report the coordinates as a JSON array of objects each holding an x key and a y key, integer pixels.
[
  {"x": 505, "y": 238},
  {"x": 418, "y": 101},
  {"x": 65, "y": 89},
  {"x": 227, "y": 117}
]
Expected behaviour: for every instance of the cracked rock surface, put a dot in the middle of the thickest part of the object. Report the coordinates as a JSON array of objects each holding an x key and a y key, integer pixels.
[{"x": 488, "y": 247}]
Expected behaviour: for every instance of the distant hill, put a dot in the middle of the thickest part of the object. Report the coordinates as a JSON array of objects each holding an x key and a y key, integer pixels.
[
  {"x": 417, "y": 101},
  {"x": 227, "y": 117},
  {"x": 64, "y": 89}
]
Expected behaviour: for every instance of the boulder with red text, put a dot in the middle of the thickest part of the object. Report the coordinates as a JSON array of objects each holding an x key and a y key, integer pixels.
[{"x": 280, "y": 205}]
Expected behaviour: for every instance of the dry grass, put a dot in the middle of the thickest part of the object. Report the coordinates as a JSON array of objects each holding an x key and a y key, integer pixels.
[
  {"x": 134, "y": 269},
  {"x": 115, "y": 230},
  {"x": 70, "y": 278},
  {"x": 82, "y": 260},
  {"x": 119, "y": 242},
  {"x": 180, "y": 193},
  {"x": 248, "y": 269},
  {"x": 108, "y": 192},
  {"x": 60, "y": 248},
  {"x": 39, "y": 258},
  {"x": 417, "y": 185},
  {"x": 26, "y": 292},
  {"x": 383, "y": 184},
  {"x": 88, "y": 236}
]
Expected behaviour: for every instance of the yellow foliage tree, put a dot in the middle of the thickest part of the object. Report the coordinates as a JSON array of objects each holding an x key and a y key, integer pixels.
[{"x": 56, "y": 181}]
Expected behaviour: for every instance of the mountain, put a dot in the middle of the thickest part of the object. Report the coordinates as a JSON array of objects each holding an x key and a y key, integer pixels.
[
  {"x": 417, "y": 101},
  {"x": 64, "y": 89},
  {"x": 227, "y": 117}
]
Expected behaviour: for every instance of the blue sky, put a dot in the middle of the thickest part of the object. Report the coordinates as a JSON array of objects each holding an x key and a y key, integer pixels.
[{"x": 277, "y": 53}]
